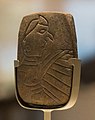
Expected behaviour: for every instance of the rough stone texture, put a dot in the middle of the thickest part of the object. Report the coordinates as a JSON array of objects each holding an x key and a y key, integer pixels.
[{"x": 46, "y": 42}]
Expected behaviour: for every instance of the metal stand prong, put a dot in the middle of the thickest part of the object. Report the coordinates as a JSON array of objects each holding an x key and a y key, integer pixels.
[{"x": 47, "y": 115}]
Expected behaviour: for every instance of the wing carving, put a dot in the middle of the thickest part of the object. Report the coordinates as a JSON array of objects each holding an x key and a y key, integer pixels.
[{"x": 53, "y": 81}]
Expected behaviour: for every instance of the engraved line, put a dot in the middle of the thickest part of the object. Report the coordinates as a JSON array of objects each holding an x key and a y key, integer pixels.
[
  {"x": 68, "y": 56},
  {"x": 55, "y": 87},
  {"x": 57, "y": 63},
  {"x": 45, "y": 89},
  {"x": 29, "y": 25},
  {"x": 71, "y": 52},
  {"x": 53, "y": 60},
  {"x": 29, "y": 57},
  {"x": 34, "y": 89},
  {"x": 51, "y": 34},
  {"x": 41, "y": 24},
  {"x": 27, "y": 63},
  {"x": 35, "y": 25},
  {"x": 44, "y": 18},
  {"x": 30, "y": 60},
  {"x": 60, "y": 72},
  {"x": 58, "y": 79},
  {"x": 51, "y": 96},
  {"x": 39, "y": 33},
  {"x": 63, "y": 52},
  {"x": 31, "y": 85},
  {"x": 46, "y": 57},
  {"x": 37, "y": 92},
  {"x": 64, "y": 63},
  {"x": 45, "y": 67}
]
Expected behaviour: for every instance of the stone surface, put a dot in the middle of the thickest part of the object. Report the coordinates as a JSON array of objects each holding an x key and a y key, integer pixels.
[{"x": 46, "y": 42}]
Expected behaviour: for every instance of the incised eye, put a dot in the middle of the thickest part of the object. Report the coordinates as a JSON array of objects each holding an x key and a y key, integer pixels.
[{"x": 42, "y": 31}]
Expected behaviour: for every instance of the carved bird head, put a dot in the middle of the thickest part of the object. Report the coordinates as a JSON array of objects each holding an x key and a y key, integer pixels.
[{"x": 36, "y": 38}]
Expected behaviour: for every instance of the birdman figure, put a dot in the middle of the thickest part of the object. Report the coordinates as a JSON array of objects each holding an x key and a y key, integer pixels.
[{"x": 45, "y": 63}]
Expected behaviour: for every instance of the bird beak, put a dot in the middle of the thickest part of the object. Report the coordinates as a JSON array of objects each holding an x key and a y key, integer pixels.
[{"x": 49, "y": 37}]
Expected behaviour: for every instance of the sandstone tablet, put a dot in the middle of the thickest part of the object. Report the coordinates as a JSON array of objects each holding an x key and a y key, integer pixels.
[{"x": 48, "y": 66}]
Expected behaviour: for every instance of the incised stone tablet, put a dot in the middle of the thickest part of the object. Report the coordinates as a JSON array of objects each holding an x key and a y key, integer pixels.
[{"x": 46, "y": 42}]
